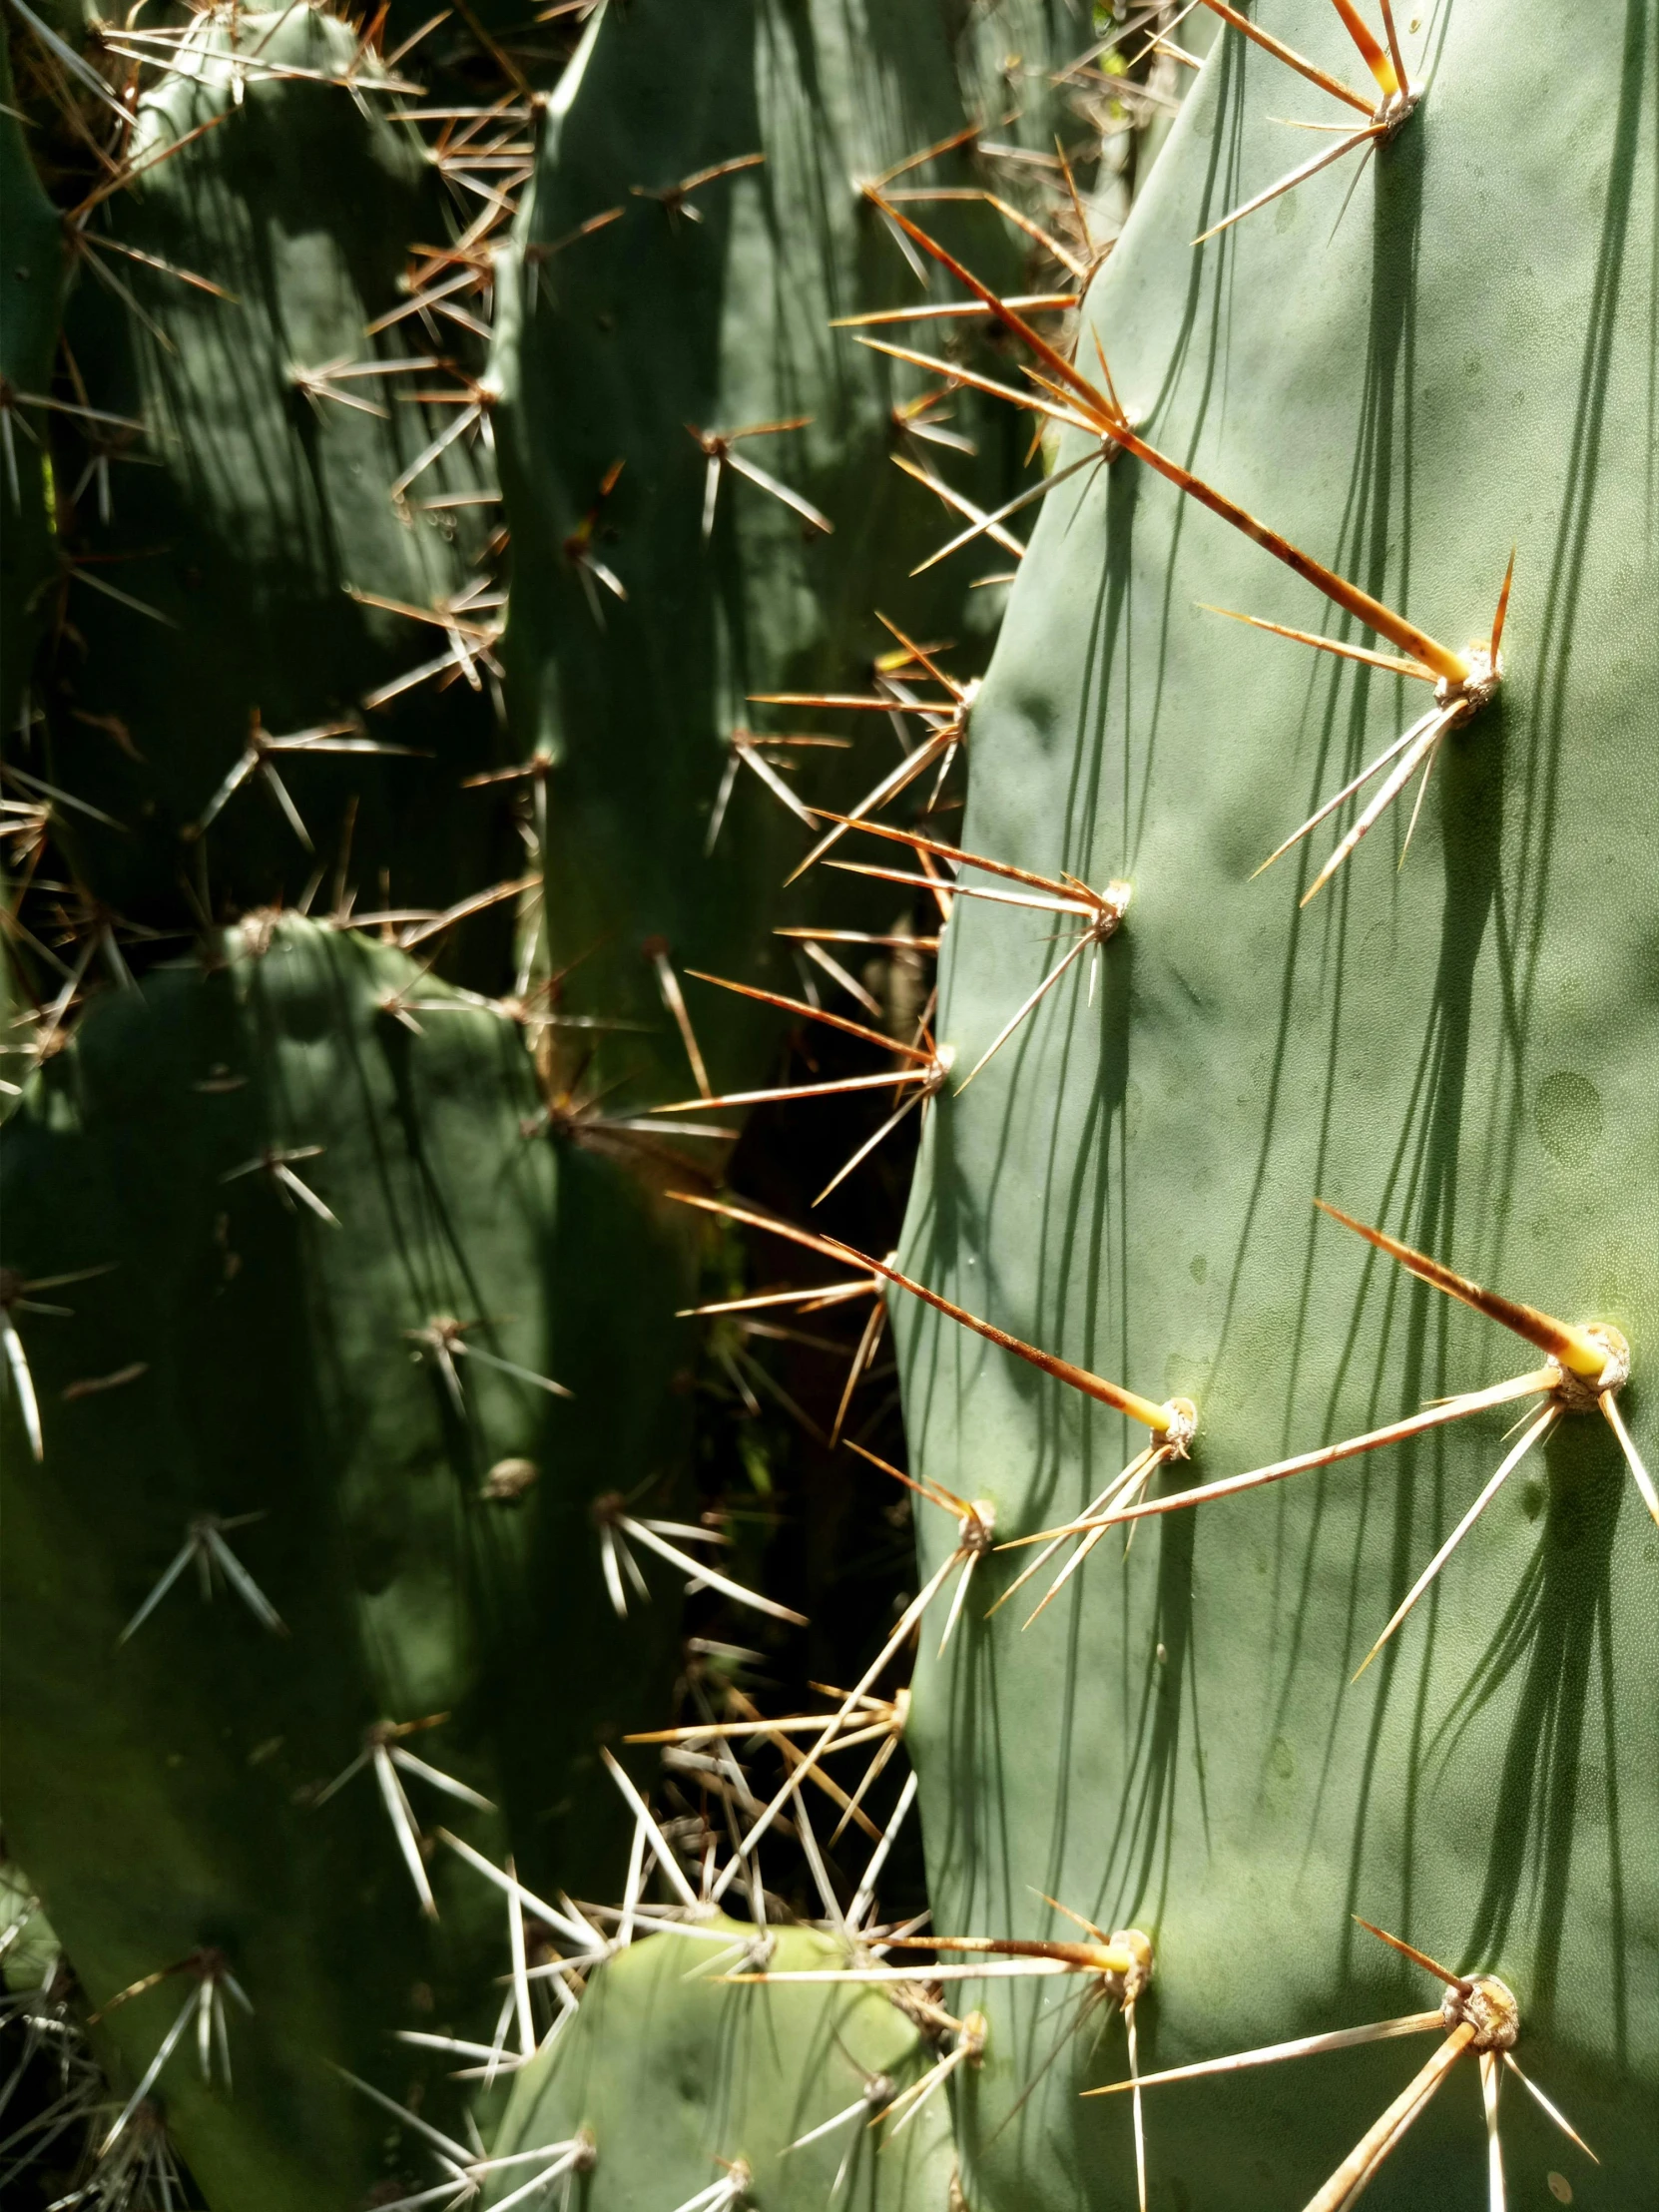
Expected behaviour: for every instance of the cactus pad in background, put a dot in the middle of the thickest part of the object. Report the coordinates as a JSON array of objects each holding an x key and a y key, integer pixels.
[
  {"x": 234, "y": 1351},
  {"x": 290, "y": 561},
  {"x": 668, "y": 296},
  {"x": 29, "y": 306},
  {"x": 1456, "y": 1046}
]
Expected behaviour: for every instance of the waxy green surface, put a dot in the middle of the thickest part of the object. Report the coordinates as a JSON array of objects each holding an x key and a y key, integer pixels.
[
  {"x": 158, "y": 1793},
  {"x": 673, "y": 2073},
  {"x": 1460, "y": 1048},
  {"x": 607, "y": 347},
  {"x": 248, "y": 511}
]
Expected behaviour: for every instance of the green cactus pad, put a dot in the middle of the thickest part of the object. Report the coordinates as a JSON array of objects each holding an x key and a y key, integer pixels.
[
  {"x": 674, "y": 2075},
  {"x": 261, "y": 508},
  {"x": 611, "y": 348},
  {"x": 1454, "y": 1043},
  {"x": 242, "y": 1356}
]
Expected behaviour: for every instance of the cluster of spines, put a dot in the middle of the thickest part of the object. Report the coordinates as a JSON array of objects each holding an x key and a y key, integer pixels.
[
  {"x": 479, "y": 152},
  {"x": 1586, "y": 1365}
]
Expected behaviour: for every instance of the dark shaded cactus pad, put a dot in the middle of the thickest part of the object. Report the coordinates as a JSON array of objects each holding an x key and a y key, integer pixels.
[
  {"x": 243, "y": 1356},
  {"x": 261, "y": 499},
  {"x": 712, "y": 315}
]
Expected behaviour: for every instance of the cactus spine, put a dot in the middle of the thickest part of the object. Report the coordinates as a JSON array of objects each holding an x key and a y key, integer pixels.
[{"x": 1280, "y": 888}]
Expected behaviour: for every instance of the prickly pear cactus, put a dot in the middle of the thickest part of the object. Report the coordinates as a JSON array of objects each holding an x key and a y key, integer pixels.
[
  {"x": 260, "y": 546},
  {"x": 694, "y": 224},
  {"x": 296, "y": 1241},
  {"x": 673, "y": 2085},
  {"x": 324, "y": 1278},
  {"x": 1451, "y": 1041},
  {"x": 29, "y": 302}
]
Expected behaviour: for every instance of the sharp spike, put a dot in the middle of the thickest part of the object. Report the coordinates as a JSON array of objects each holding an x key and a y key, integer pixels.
[
  {"x": 1291, "y": 58},
  {"x": 1502, "y": 614},
  {"x": 953, "y": 310},
  {"x": 1381, "y": 2137},
  {"x": 1058, "y": 364},
  {"x": 1535, "y": 1433},
  {"x": 1397, "y": 52},
  {"x": 1135, "y": 2092},
  {"x": 1049, "y": 982},
  {"x": 885, "y": 1130},
  {"x": 1368, "y": 134},
  {"x": 1544, "y": 2105},
  {"x": 1571, "y": 1347},
  {"x": 1417, "y": 644},
  {"x": 1347, "y": 791},
  {"x": 907, "y": 1620},
  {"x": 1422, "y": 748},
  {"x": 934, "y": 1493},
  {"x": 1492, "y": 2081},
  {"x": 666, "y": 1858},
  {"x": 1417, "y": 1957},
  {"x": 656, "y": 951},
  {"x": 1395, "y": 664},
  {"x": 862, "y": 1361},
  {"x": 955, "y": 500},
  {"x": 1371, "y": 53},
  {"x": 885, "y": 1081},
  {"x": 799, "y": 1006},
  {"x": 1132, "y": 1479},
  {"x": 951, "y": 852},
  {"x": 1157, "y": 1418},
  {"x": 1534, "y": 1385},
  {"x": 1633, "y": 1458},
  {"x": 1273, "y": 2054}
]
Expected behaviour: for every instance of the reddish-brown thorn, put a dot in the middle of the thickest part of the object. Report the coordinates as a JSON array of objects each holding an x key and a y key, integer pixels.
[
  {"x": 1502, "y": 614},
  {"x": 819, "y": 1013},
  {"x": 920, "y": 655},
  {"x": 1068, "y": 888},
  {"x": 1159, "y": 1419},
  {"x": 1371, "y": 53},
  {"x": 934, "y": 1493},
  {"x": 1110, "y": 421},
  {"x": 1418, "y": 1957},
  {"x": 1057, "y": 363},
  {"x": 1289, "y": 57},
  {"x": 1572, "y": 1348}
]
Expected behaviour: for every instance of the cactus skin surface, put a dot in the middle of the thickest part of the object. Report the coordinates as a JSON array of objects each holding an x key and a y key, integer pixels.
[
  {"x": 671, "y": 2073},
  {"x": 607, "y": 347},
  {"x": 29, "y": 304},
  {"x": 158, "y": 1793},
  {"x": 268, "y": 507},
  {"x": 1460, "y": 1049},
  {"x": 276, "y": 1379}
]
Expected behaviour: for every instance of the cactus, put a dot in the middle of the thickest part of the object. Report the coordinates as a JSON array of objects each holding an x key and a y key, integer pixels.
[
  {"x": 293, "y": 1233},
  {"x": 220, "y": 709},
  {"x": 302, "y": 1244},
  {"x": 283, "y": 1199},
  {"x": 1446, "y": 1040},
  {"x": 658, "y": 600},
  {"x": 684, "y": 2091}
]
